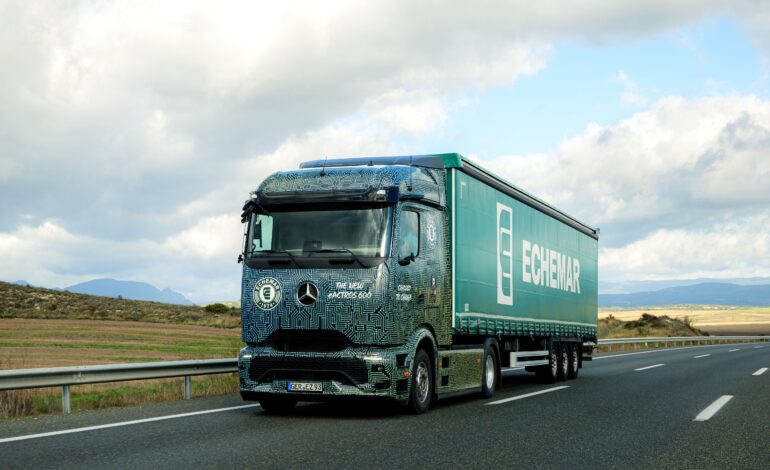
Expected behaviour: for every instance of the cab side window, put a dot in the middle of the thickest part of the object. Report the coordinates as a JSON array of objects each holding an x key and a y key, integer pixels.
[{"x": 409, "y": 240}]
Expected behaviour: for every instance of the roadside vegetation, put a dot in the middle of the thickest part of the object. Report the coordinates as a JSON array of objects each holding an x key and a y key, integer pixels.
[
  {"x": 34, "y": 302},
  {"x": 646, "y": 325},
  {"x": 49, "y": 328},
  {"x": 713, "y": 319}
]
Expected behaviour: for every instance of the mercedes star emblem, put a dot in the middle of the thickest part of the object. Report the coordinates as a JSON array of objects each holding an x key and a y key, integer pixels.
[{"x": 307, "y": 293}]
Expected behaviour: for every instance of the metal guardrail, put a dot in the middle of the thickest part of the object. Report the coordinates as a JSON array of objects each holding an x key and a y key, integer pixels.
[
  {"x": 65, "y": 377},
  {"x": 646, "y": 341}
]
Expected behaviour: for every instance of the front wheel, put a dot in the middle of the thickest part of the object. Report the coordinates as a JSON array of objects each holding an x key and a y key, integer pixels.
[{"x": 422, "y": 383}]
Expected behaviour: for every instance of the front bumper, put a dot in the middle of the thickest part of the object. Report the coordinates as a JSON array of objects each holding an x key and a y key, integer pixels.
[{"x": 353, "y": 372}]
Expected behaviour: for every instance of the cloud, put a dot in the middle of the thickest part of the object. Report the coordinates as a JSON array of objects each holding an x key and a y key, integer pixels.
[
  {"x": 740, "y": 248},
  {"x": 686, "y": 168},
  {"x": 631, "y": 94}
]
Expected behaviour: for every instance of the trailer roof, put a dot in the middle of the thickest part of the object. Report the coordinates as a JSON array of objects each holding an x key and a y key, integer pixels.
[{"x": 455, "y": 160}]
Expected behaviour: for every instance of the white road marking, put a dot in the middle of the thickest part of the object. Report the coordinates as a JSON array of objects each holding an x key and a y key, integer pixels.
[
  {"x": 712, "y": 409},
  {"x": 527, "y": 395},
  {"x": 650, "y": 367},
  {"x": 123, "y": 423},
  {"x": 702, "y": 355},
  {"x": 733, "y": 350},
  {"x": 760, "y": 371},
  {"x": 758, "y": 347}
]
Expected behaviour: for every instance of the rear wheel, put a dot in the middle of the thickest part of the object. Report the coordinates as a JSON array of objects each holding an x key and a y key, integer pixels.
[
  {"x": 277, "y": 404},
  {"x": 491, "y": 372},
  {"x": 574, "y": 361},
  {"x": 563, "y": 368},
  {"x": 422, "y": 383},
  {"x": 549, "y": 373}
]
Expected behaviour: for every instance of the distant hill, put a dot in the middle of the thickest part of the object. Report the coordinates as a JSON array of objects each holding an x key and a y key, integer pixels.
[
  {"x": 38, "y": 303},
  {"x": 631, "y": 287},
  {"x": 129, "y": 290},
  {"x": 707, "y": 293}
]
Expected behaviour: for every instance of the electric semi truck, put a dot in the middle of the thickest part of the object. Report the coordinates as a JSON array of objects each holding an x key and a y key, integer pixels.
[{"x": 411, "y": 279}]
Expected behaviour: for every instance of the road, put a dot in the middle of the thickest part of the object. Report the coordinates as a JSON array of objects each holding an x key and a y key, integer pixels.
[{"x": 698, "y": 407}]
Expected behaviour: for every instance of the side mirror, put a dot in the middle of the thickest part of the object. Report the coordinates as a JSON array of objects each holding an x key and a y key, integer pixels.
[{"x": 240, "y": 258}]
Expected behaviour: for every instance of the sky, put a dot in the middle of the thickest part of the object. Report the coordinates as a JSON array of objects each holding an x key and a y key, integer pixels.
[{"x": 131, "y": 132}]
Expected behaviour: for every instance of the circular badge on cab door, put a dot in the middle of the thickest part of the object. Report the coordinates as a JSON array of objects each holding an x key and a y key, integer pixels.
[{"x": 267, "y": 293}]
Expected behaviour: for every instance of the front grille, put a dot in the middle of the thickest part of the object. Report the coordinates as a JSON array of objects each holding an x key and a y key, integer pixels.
[{"x": 347, "y": 370}]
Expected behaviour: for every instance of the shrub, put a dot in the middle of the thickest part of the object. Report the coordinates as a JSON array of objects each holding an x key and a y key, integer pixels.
[{"x": 217, "y": 308}]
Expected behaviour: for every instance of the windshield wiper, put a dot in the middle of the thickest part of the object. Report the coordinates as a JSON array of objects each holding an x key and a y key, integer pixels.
[
  {"x": 341, "y": 250},
  {"x": 280, "y": 252}
]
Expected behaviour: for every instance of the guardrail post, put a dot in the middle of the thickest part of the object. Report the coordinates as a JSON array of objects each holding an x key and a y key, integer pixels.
[
  {"x": 65, "y": 399},
  {"x": 186, "y": 387}
]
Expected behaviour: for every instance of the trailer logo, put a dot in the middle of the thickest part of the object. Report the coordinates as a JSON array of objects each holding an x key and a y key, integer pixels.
[
  {"x": 267, "y": 293},
  {"x": 504, "y": 255}
]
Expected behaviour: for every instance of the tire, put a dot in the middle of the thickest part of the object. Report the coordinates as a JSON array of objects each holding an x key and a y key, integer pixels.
[
  {"x": 490, "y": 372},
  {"x": 574, "y": 361},
  {"x": 275, "y": 405},
  {"x": 548, "y": 374},
  {"x": 421, "y": 391},
  {"x": 563, "y": 362}
]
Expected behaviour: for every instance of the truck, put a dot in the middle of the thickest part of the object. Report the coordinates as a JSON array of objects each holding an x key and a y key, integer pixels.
[{"x": 408, "y": 279}]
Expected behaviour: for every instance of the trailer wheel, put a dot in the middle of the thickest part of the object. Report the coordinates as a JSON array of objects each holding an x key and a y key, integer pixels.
[
  {"x": 275, "y": 405},
  {"x": 563, "y": 369},
  {"x": 549, "y": 373},
  {"x": 422, "y": 383},
  {"x": 490, "y": 374},
  {"x": 574, "y": 361}
]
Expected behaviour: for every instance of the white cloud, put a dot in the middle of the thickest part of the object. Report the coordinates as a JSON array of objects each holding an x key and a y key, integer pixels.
[
  {"x": 686, "y": 176},
  {"x": 631, "y": 94},
  {"x": 737, "y": 249}
]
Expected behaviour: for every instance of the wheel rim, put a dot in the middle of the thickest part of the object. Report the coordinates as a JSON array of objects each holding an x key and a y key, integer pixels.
[
  {"x": 489, "y": 372},
  {"x": 423, "y": 382}
]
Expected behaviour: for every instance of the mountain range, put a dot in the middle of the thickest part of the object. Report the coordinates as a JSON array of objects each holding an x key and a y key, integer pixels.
[
  {"x": 129, "y": 290},
  {"x": 708, "y": 293}
]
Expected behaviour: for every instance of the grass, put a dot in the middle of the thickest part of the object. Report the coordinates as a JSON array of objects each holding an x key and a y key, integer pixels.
[
  {"x": 646, "y": 326},
  {"x": 713, "y": 319},
  {"x": 26, "y": 343},
  {"x": 37, "y": 303}
]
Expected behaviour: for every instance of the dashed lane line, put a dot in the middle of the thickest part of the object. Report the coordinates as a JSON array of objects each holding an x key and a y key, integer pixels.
[
  {"x": 123, "y": 423},
  {"x": 733, "y": 350},
  {"x": 702, "y": 355},
  {"x": 527, "y": 395},
  {"x": 650, "y": 367},
  {"x": 712, "y": 409},
  {"x": 760, "y": 371}
]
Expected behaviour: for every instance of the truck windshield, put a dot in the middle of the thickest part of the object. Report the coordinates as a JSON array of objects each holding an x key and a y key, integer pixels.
[{"x": 364, "y": 232}]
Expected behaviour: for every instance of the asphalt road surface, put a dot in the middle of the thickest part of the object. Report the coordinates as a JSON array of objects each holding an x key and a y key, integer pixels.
[{"x": 697, "y": 407}]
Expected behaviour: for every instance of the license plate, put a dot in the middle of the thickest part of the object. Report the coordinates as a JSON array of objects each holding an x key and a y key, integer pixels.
[{"x": 313, "y": 387}]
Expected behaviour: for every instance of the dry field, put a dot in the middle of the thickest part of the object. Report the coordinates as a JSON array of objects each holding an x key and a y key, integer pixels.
[
  {"x": 26, "y": 343},
  {"x": 713, "y": 319}
]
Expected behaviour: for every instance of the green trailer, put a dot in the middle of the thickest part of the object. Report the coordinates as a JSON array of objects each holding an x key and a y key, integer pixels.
[{"x": 409, "y": 278}]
